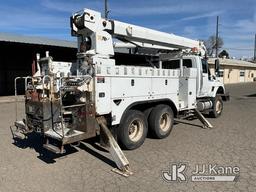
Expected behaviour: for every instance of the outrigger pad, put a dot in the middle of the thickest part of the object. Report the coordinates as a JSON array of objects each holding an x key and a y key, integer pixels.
[
  {"x": 19, "y": 130},
  {"x": 54, "y": 149},
  {"x": 125, "y": 173},
  {"x": 20, "y": 125}
]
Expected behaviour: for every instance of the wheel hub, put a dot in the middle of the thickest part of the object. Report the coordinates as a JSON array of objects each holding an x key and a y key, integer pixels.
[
  {"x": 218, "y": 107},
  {"x": 165, "y": 121},
  {"x": 135, "y": 130}
]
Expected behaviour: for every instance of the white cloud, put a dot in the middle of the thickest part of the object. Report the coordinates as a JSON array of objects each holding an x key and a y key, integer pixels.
[
  {"x": 52, "y": 16},
  {"x": 132, "y": 8},
  {"x": 200, "y": 16},
  {"x": 247, "y": 25},
  {"x": 239, "y": 36},
  {"x": 190, "y": 31},
  {"x": 72, "y": 6},
  {"x": 32, "y": 19},
  {"x": 143, "y": 11},
  {"x": 195, "y": 17}
]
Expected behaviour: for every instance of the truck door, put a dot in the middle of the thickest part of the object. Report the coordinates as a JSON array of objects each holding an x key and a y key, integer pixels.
[{"x": 204, "y": 73}]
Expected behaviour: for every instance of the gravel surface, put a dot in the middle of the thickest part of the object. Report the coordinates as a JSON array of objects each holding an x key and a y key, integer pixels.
[{"x": 24, "y": 166}]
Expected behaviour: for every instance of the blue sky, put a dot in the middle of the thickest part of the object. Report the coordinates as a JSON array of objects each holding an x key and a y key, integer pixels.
[{"x": 193, "y": 19}]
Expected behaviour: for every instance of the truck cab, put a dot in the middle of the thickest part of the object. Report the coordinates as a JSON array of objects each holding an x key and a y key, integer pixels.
[{"x": 210, "y": 90}]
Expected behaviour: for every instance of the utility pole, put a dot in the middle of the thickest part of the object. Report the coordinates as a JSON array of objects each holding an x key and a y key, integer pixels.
[
  {"x": 106, "y": 9},
  {"x": 217, "y": 36},
  {"x": 254, "y": 49}
]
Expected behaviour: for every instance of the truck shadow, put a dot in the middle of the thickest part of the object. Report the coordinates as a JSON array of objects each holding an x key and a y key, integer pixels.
[
  {"x": 35, "y": 142},
  {"x": 192, "y": 121},
  {"x": 96, "y": 151},
  {"x": 251, "y": 95}
]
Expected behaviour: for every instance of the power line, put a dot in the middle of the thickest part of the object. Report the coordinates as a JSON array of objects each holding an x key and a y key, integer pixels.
[
  {"x": 217, "y": 36},
  {"x": 106, "y": 9},
  {"x": 255, "y": 48},
  {"x": 233, "y": 48}
]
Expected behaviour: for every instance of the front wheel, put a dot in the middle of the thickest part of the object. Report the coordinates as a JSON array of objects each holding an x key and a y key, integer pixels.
[
  {"x": 133, "y": 130},
  {"x": 217, "y": 107}
]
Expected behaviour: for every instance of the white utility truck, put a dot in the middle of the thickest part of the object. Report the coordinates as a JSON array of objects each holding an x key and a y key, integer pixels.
[{"x": 116, "y": 96}]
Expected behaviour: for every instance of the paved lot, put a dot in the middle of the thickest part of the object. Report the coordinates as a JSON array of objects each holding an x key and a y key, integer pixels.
[{"x": 232, "y": 142}]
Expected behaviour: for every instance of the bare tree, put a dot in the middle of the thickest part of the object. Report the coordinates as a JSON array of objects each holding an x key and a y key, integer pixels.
[{"x": 210, "y": 44}]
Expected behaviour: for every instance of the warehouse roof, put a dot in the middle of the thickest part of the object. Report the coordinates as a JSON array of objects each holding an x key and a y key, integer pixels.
[
  {"x": 233, "y": 62},
  {"x": 5, "y": 37}
]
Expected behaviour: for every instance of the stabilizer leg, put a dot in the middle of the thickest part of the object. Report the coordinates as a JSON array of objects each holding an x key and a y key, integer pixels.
[
  {"x": 114, "y": 149},
  {"x": 205, "y": 122}
]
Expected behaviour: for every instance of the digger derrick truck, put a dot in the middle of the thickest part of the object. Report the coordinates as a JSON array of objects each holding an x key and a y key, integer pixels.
[{"x": 119, "y": 100}]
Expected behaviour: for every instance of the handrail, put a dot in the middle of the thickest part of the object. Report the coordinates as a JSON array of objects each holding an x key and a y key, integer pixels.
[
  {"x": 26, "y": 81},
  {"x": 61, "y": 106},
  {"x": 16, "y": 94},
  {"x": 44, "y": 81}
]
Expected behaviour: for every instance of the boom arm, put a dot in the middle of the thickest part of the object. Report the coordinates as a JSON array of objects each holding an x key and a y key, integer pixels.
[
  {"x": 135, "y": 33},
  {"x": 89, "y": 21}
]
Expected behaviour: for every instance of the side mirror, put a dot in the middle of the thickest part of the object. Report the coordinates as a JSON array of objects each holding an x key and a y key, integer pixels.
[{"x": 217, "y": 67}]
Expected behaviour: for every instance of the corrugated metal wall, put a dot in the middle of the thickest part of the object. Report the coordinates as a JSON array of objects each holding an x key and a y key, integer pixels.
[{"x": 16, "y": 60}]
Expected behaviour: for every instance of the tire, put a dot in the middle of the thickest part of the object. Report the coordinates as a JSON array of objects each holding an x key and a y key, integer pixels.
[
  {"x": 217, "y": 107},
  {"x": 147, "y": 112},
  {"x": 133, "y": 130},
  {"x": 161, "y": 121}
]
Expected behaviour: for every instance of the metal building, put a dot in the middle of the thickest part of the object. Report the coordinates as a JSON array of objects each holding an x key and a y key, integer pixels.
[
  {"x": 234, "y": 71},
  {"x": 17, "y": 53}
]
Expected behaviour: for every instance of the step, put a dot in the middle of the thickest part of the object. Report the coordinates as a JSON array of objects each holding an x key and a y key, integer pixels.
[
  {"x": 67, "y": 113},
  {"x": 53, "y": 149},
  {"x": 19, "y": 135},
  {"x": 20, "y": 125},
  {"x": 59, "y": 135},
  {"x": 70, "y": 136}
]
